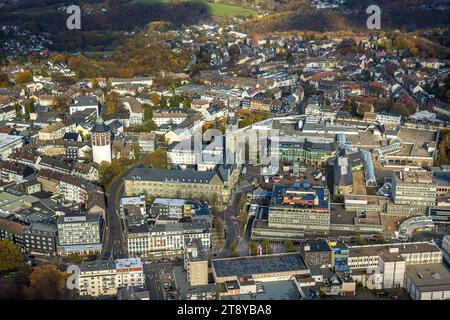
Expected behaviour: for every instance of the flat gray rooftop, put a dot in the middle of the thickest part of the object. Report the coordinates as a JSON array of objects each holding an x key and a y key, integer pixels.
[
  {"x": 247, "y": 266},
  {"x": 403, "y": 248},
  {"x": 429, "y": 277},
  {"x": 276, "y": 290}
]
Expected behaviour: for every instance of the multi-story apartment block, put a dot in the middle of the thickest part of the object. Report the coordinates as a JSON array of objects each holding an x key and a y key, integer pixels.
[
  {"x": 171, "y": 208},
  {"x": 166, "y": 238},
  {"x": 41, "y": 237},
  {"x": 14, "y": 172},
  {"x": 7, "y": 113},
  {"x": 13, "y": 231},
  {"x": 105, "y": 277},
  {"x": 386, "y": 266},
  {"x": 138, "y": 240},
  {"x": 80, "y": 233},
  {"x": 54, "y": 131},
  {"x": 196, "y": 263},
  {"x": 171, "y": 116},
  {"x": 73, "y": 189},
  {"x": 316, "y": 253},
  {"x": 9, "y": 144},
  {"x": 97, "y": 278}
]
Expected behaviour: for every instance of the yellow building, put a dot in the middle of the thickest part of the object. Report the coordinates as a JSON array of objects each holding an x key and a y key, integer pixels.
[
  {"x": 52, "y": 132},
  {"x": 212, "y": 186}
]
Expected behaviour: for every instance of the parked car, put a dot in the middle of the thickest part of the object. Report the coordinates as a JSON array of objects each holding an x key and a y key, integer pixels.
[{"x": 170, "y": 296}]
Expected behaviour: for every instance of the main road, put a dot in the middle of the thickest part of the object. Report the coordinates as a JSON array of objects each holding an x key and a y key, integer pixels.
[
  {"x": 230, "y": 216},
  {"x": 114, "y": 245}
]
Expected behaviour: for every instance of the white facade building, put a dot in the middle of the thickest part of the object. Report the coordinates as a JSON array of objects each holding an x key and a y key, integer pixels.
[
  {"x": 104, "y": 278},
  {"x": 83, "y": 103},
  {"x": 101, "y": 142}
]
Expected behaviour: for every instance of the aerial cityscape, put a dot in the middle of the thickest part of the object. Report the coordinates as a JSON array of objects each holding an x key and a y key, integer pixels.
[{"x": 225, "y": 150}]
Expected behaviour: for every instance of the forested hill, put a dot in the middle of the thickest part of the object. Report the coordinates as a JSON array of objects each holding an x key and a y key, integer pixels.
[
  {"x": 124, "y": 17},
  {"x": 407, "y": 15},
  {"x": 102, "y": 22}
]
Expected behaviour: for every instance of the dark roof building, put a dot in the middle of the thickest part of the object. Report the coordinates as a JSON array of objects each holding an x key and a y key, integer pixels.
[{"x": 275, "y": 266}]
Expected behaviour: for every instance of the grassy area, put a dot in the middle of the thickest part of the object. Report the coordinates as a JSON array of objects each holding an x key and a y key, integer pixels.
[
  {"x": 217, "y": 9},
  {"x": 225, "y": 10},
  {"x": 151, "y": 1}
]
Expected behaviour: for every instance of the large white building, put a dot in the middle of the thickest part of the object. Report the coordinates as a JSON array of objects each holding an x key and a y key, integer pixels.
[
  {"x": 80, "y": 233},
  {"x": 389, "y": 119},
  {"x": 185, "y": 153},
  {"x": 170, "y": 116},
  {"x": 83, "y": 103},
  {"x": 8, "y": 144},
  {"x": 385, "y": 266},
  {"x": 427, "y": 282},
  {"x": 166, "y": 239},
  {"x": 105, "y": 277},
  {"x": 101, "y": 141},
  {"x": 414, "y": 188}
]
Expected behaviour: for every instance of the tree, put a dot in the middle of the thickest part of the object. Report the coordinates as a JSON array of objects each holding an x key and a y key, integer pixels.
[
  {"x": 443, "y": 157},
  {"x": 401, "y": 109},
  {"x": 24, "y": 76},
  {"x": 75, "y": 258},
  {"x": 154, "y": 98},
  {"x": 363, "y": 108},
  {"x": 61, "y": 102},
  {"x": 147, "y": 126},
  {"x": 112, "y": 103},
  {"x": 47, "y": 283},
  {"x": 28, "y": 109},
  {"x": 360, "y": 241},
  {"x": 187, "y": 104},
  {"x": 380, "y": 239},
  {"x": 4, "y": 81},
  {"x": 58, "y": 58},
  {"x": 253, "y": 248},
  {"x": 10, "y": 256},
  {"x": 9, "y": 291},
  {"x": 203, "y": 55},
  {"x": 94, "y": 83},
  {"x": 254, "y": 117},
  {"x": 163, "y": 103},
  {"x": 233, "y": 249},
  {"x": 266, "y": 247},
  {"x": 175, "y": 101},
  {"x": 309, "y": 90},
  {"x": 136, "y": 150},
  {"x": 105, "y": 173},
  {"x": 148, "y": 112},
  {"x": 157, "y": 159},
  {"x": 289, "y": 245}
]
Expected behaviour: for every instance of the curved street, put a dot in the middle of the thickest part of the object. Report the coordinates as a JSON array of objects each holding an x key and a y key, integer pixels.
[{"x": 114, "y": 246}]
